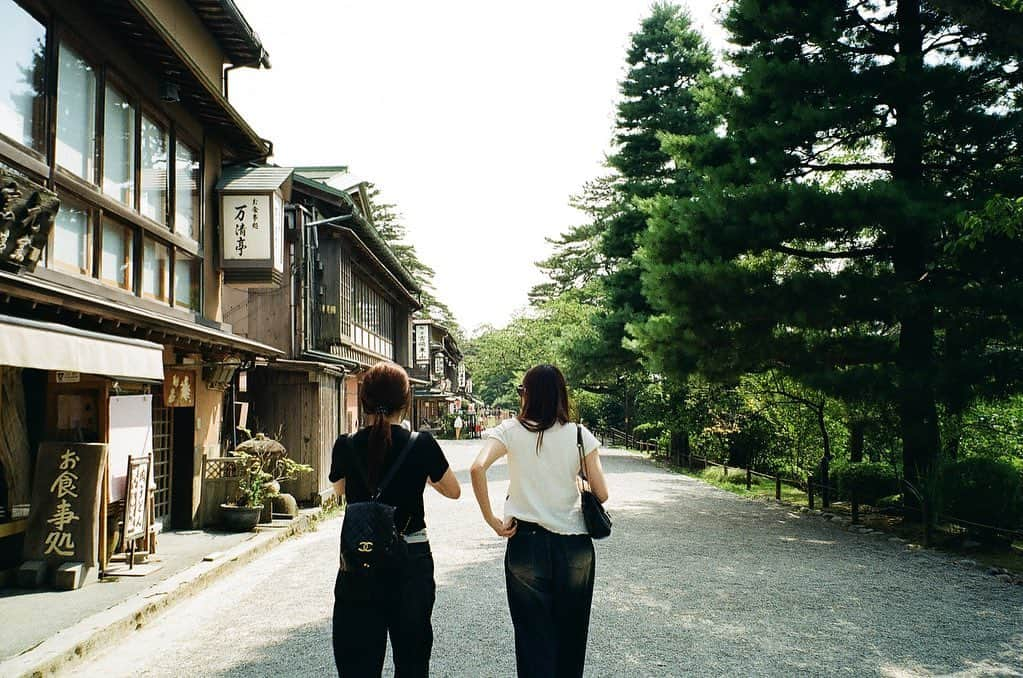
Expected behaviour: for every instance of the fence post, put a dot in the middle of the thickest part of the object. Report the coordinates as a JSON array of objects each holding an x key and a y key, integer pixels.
[
  {"x": 777, "y": 488},
  {"x": 749, "y": 478},
  {"x": 809, "y": 491},
  {"x": 855, "y": 505},
  {"x": 725, "y": 467}
]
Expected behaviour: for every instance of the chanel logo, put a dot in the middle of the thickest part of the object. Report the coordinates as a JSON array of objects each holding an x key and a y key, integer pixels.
[{"x": 365, "y": 546}]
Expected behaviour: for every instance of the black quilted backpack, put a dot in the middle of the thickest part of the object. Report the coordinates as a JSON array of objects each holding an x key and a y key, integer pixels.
[{"x": 369, "y": 539}]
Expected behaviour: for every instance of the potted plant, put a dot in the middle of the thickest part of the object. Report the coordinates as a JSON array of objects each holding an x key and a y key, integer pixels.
[
  {"x": 264, "y": 464},
  {"x": 243, "y": 514}
]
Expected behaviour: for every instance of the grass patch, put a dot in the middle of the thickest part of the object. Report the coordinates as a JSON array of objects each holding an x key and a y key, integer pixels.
[{"x": 735, "y": 482}]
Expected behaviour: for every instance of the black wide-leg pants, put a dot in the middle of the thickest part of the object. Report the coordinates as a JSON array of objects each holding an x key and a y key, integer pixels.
[
  {"x": 398, "y": 604},
  {"x": 550, "y": 589}
]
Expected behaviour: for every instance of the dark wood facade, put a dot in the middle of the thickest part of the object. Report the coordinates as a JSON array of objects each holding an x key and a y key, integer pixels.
[
  {"x": 347, "y": 305},
  {"x": 126, "y": 122}
]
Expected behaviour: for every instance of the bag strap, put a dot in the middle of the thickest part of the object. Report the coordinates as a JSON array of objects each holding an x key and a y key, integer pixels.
[
  {"x": 361, "y": 468},
  {"x": 413, "y": 436},
  {"x": 582, "y": 456}
]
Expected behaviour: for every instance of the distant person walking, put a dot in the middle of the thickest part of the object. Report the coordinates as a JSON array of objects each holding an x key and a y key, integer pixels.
[
  {"x": 458, "y": 426},
  {"x": 397, "y": 601},
  {"x": 549, "y": 562}
]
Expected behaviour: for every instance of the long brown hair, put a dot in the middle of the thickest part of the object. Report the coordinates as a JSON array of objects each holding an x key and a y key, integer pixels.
[
  {"x": 385, "y": 390},
  {"x": 544, "y": 400}
]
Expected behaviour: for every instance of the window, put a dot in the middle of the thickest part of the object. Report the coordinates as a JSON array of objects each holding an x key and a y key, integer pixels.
[
  {"x": 154, "y": 170},
  {"x": 117, "y": 255},
  {"x": 155, "y": 270},
  {"x": 22, "y": 73},
  {"x": 119, "y": 147},
  {"x": 76, "y": 114},
  {"x": 373, "y": 320},
  {"x": 186, "y": 191},
  {"x": 71, "y": 243},
  {"x": 186, "y": 281}
]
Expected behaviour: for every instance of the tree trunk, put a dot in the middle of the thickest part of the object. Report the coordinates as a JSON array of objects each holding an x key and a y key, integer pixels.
[
  {"x": 914, "y": 360},
  {"x": 826, "y": 460},
  {"x": 857, "y": 430}
]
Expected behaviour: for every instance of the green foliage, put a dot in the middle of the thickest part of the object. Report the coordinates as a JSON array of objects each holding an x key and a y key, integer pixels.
[
  {"x": 821, "y": 239},
  {"x": 252, "y": 482},
  {"x": 865, "y": 482},
  {"x": 984, "y": 491}
]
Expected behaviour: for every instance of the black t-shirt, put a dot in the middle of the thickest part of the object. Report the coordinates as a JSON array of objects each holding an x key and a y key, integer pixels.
[{"x": 405, "y": 491}]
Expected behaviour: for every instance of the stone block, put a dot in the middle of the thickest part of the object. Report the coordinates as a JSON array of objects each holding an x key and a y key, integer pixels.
[
  {"x": 32, "y": 574},
  {"x": 70, "y": 576},
  {"x": 286, "y": 504}
]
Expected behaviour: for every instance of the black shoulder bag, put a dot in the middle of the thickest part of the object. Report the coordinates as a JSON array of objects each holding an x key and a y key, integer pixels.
[
  {"x": 369, "y": 538},
  {"x": 598, "y": 520}
]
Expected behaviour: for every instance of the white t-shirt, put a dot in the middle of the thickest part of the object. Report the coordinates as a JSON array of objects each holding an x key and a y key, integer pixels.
[{"x": 543, "y": 488}]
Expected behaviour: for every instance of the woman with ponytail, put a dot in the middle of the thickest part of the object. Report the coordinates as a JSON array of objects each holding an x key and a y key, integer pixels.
[{"x": 395, "y": 602}]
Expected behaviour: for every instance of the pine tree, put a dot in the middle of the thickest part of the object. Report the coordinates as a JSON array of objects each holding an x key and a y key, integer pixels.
[
  {"x": 668, "y": 60},
  {"x": 858, "y": 134}
]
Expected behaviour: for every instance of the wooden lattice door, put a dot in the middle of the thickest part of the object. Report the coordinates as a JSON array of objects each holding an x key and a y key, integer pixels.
[{"x": 163, "y": 425}]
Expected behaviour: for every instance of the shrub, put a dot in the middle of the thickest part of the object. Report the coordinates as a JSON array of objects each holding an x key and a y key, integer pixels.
[
  {"x": 985, "y": 491},
  {"x": 865, "y": 482},
  {"x": 649, "y": 431}
]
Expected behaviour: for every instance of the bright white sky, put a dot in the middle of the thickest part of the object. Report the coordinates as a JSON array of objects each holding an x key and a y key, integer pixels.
[{"x": 478, "y": 119}]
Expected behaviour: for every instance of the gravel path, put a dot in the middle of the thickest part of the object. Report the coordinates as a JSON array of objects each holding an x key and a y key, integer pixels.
[{"x": 694, "y": 581}]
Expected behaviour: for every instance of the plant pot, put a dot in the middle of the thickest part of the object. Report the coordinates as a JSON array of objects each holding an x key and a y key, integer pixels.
[
  {"x": 267, "y": 515},
  {"x": 239, "y": 518}
]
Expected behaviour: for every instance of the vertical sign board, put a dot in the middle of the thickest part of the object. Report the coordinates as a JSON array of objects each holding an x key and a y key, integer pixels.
[
  {"x": 461, "y": 375},
  {"x": 247, "y": 227},
  {"x": 63, "y": 524},
  {"x": 131, "y": 435},
  {"x": 422, "y": 340},
  {"x": 438, "y": 366},
  {"x": 135, "y": 499},
  {"x": 252, "y": 238}
]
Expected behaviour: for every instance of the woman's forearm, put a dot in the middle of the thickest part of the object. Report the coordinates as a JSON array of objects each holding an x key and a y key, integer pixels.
[{"x": 482, "y": 492}]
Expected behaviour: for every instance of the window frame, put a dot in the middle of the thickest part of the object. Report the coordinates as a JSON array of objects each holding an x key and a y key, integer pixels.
[
  {"x": 30, "y": 159},
  {"x": 200, "y": 152},
  {"x": 133, "y": 283},
  {"x": 103, "y": 209},
  {"x": 91, "y": 240},
  {"x": 61, "y": 34},
  {"x": 168, "y": 277}
]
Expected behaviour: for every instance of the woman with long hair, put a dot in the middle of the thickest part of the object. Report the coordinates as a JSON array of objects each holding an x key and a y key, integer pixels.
[
  {"x": 396, "y": 602},
  {"x": 549, "y": 561}
]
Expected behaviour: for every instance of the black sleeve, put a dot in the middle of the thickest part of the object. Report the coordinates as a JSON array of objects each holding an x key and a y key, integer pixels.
[
  {"x": 433, "y": 457},
  {"x": 339, "y": 459}
]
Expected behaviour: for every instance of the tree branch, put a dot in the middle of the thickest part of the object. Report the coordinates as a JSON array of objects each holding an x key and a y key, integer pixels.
[{"x": 844, "y": 254}]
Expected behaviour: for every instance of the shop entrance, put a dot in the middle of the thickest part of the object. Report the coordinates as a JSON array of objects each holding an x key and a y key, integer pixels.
[{"x": 183, "y": 468}]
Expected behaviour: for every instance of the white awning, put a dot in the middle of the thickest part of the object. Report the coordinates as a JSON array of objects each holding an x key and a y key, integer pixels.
[{"x": 50, "y": 346}]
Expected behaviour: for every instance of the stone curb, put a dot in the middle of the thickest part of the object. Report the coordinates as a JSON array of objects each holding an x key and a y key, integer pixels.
[{"x": 63, "y": 650}]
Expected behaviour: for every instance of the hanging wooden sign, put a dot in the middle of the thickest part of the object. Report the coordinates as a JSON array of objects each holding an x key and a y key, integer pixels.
[{"x": 179, "y": 388}]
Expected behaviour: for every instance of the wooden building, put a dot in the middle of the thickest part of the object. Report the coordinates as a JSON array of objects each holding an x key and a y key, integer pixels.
[
  {"x": 443, "y": 384},
  {"x": 118, "y": 109},
  {"x": 346, "y": 305}
]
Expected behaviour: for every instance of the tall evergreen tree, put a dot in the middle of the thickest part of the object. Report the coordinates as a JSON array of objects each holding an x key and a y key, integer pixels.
[
  {"x": 667, "y": 61},
  {"x": 858, "y": 134}
]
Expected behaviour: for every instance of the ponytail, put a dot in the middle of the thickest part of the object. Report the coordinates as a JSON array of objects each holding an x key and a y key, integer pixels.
[{"x": 379, "y": 444}]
